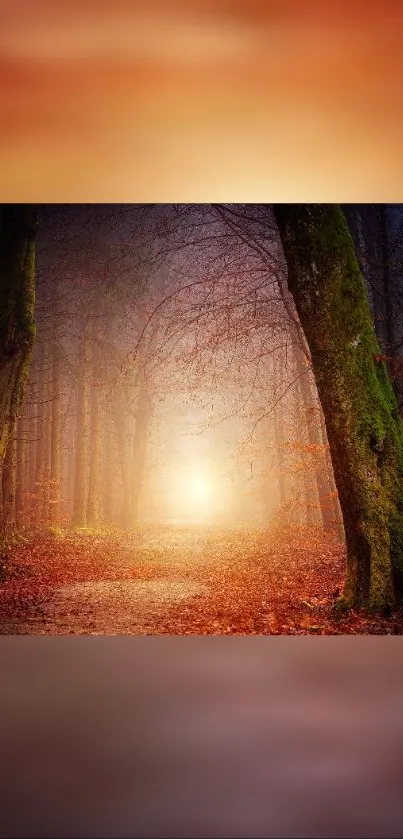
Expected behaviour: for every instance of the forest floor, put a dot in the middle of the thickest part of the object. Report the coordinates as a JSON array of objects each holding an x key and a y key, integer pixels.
[{"x": 180, "y": 580}]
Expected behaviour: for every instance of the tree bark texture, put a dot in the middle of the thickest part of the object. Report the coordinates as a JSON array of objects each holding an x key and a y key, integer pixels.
[{"x": 364, "y": 430}]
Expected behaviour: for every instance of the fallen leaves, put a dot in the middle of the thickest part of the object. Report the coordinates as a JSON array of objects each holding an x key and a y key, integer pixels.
[{"x": 180, "y": 580}]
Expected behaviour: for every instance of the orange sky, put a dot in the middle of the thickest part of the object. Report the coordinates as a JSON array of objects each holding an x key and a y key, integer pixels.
[{"x": 254, "y": 101}]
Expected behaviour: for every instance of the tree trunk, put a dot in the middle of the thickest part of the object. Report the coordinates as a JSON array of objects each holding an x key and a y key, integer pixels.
[
  {"x": 132, "y": 447},
  {"x": 79, "y": 517},
  {"x": 9, "y": 483},
  {"x": 377, "y": 237},
  {"x": 363, "y": 427},
  {"x": 387, "y": 287},
  {"x": 55, "y": 435},
  {"x": 40, "y": 449},
  {"x": 93, "y": 503},
  {"x": 107, "y": 469},
  {"x": 315, "y": 441},
  {"x": 337, "y": 514},
  {"x": 125, "y": 447},
  {"x": 143, "y": 415},
  {"x": 393, "y": 319},
  {"x": 22, "y": 456},
  {"x": 46, "y": 420},
  {"x": 32, "y": 444},
  {"x": 67, "y": 451},
  {"x": 266, "y": 446},
  {"x": 17, "y": 300},
  {"x": 278, "y": 439},
  {"x": 313, "y": 512}
]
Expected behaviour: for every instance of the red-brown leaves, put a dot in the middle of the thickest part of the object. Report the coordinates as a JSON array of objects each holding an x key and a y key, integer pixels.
[{"x": 188, "y": 581}]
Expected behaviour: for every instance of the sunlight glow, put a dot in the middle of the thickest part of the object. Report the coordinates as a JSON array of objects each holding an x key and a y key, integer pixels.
[
  {"x": 193, "y": 492},
  {"x": 199, "y": 488}
]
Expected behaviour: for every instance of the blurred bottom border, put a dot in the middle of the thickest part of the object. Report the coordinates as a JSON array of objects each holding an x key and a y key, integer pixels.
[{"x": 201, "y": 737}]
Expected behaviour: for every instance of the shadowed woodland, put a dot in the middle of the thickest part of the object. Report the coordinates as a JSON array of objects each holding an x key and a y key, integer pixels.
[{"x": 200, "y": 419}]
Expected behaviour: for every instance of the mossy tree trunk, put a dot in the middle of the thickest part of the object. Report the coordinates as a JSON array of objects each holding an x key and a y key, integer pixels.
[
  {"x": 376, "y": 232},
  {"x": 363, "y": 427},
  {"x": 18, "y": 223}
]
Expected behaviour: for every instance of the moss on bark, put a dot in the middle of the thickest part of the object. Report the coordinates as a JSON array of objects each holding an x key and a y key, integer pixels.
[
  {"x": 364, "y": 430},
  {"x": 18, "y": 225}
]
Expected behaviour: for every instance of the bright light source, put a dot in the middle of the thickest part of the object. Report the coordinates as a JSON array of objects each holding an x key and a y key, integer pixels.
[
  {"x": 191, "y": 492},
  {"x": 194, "y": 491},
  {"x": 198, "y": 487}
]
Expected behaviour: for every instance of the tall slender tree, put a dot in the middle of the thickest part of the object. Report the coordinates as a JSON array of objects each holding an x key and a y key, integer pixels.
[
  {"x": 55, "y": 432},
  {"x": 79, "y": 517},
  {"x": 93, "y": 501},
  {"x": 9, "y": 482}
]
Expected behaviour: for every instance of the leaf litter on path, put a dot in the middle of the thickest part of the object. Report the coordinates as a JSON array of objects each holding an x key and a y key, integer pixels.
[{"x": 180, "y": 580}]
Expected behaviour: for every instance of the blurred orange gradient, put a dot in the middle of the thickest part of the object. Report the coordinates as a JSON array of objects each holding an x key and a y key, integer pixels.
[{"x": 201, "y": 101}]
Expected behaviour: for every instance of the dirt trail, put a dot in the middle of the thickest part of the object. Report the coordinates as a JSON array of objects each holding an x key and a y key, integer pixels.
[
  {"x": 83, "y": 584},
  {"x": 173, "y": 579}
]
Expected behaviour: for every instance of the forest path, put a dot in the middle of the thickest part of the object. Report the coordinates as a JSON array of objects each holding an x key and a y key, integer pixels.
[{"x": 178, "y": 579}]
